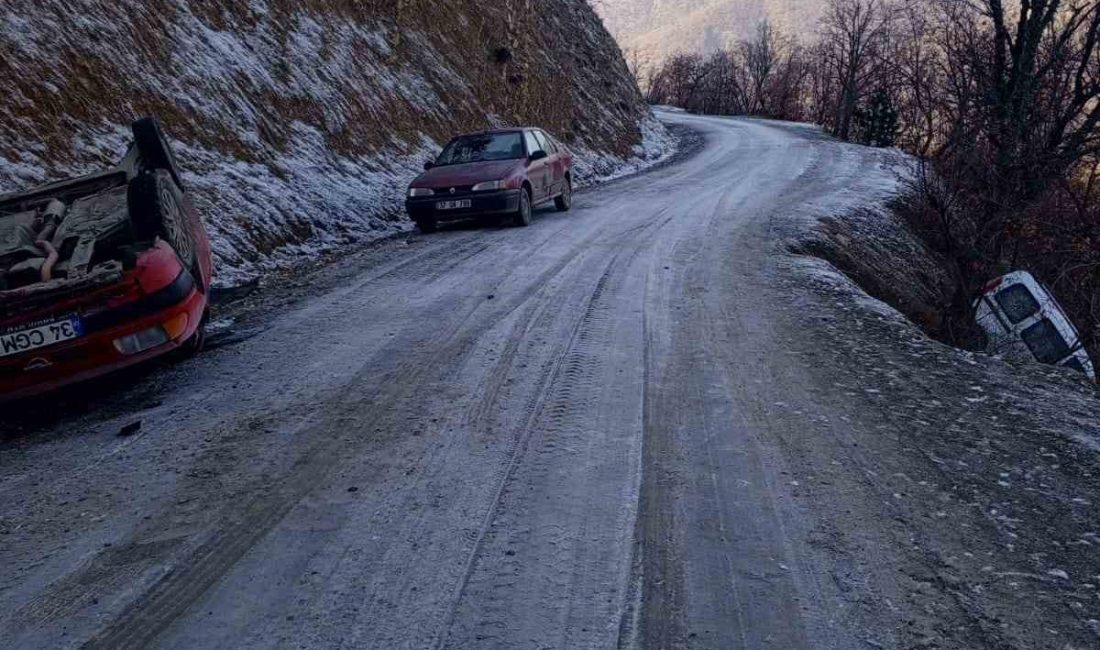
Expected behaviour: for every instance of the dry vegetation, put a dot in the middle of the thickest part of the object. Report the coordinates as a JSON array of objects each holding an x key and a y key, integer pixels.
[
  {"x": 560, "y": 71},
  {"x": 1000, "y": 101}
]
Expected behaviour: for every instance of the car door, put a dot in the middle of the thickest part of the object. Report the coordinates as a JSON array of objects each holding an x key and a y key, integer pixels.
[
  {"x": 555, "y": 164},
  {"x": 538, "y": 171}
]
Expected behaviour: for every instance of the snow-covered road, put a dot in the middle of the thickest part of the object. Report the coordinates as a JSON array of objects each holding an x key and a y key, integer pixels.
[{"x": 603, "y": 431}]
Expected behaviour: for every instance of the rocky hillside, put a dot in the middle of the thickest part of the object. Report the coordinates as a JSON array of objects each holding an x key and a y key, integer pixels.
[
  {"x": 656, "y": 28},
  {"x": 299, "y": 121}
]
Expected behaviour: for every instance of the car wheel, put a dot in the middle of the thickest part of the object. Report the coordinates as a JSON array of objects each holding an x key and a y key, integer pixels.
[
  {"x": 196, "y": 343},
  {"x": 565, "y": 199},
  {"x": 427, "y": 226},
  {"x": 155, "y": 211},
  {"x": 523, "y": 217},
  {"x": 153, "y": 147}
]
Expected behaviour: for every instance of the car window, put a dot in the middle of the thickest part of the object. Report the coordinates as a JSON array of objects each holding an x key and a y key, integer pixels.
[
  {"x": 477, "y": 148},
  {"x": 532, "y": 144},
  {"x": 1045, "y": 342},
  {"x": 1017, "y": 303},
  {"x": 545, "y": 142}
]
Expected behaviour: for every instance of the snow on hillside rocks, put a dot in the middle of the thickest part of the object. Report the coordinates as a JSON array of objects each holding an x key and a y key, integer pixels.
[{"x": 299, "y": 123}]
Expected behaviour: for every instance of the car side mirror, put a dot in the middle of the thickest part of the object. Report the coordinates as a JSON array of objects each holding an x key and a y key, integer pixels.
[
  {"x": 538, "y": 155},
  {"x": 428, "y": 165}
]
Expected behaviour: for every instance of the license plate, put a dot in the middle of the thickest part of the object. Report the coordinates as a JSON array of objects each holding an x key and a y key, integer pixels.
[
  {"x": 453, "y": 205},
  {"x": 39, "y": 335}
]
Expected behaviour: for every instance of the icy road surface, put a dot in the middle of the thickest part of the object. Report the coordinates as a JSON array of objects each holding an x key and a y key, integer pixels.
[{"x": 602, "y": 431}]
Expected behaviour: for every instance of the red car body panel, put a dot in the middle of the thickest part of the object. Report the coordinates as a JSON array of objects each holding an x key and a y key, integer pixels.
[
  {"x": 473, "y": 173},
  {"x": 46, "y": 369}
]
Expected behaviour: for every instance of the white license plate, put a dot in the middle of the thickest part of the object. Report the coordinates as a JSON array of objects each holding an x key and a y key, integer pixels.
[
  {"x": 453, "y": 205},
  {"x": 40, "y": 335}
]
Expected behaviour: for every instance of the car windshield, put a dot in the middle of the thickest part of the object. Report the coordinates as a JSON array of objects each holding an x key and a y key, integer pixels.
[{"x": 478, "y": 148}]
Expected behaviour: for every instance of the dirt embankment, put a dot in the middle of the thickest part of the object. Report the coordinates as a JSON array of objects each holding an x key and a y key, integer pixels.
[{"x": 299, "y": 122}]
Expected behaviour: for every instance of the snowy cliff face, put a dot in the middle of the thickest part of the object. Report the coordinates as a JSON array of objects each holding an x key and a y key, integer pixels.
[
  {"x": 299, "y": 122},
  {"x": 655, "y": 29}
]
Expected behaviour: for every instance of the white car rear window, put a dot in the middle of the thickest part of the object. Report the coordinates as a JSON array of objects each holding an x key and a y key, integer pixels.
[{"x": 1017, "y": 303}]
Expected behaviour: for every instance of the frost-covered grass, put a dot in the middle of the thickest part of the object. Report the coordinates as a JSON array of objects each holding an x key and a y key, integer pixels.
[{"x": 657, "y": 145}]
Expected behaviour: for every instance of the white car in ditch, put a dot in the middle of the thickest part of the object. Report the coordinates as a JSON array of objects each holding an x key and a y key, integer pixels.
[{"x": 1021, "y": 318}]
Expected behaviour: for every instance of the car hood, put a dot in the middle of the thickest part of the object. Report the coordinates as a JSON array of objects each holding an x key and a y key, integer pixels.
[{"x": 467, "y": 174}]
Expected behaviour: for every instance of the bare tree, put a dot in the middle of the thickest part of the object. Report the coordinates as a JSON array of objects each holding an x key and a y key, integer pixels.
[
  {"x": 853, "y": 38},
  {"x": 637, "y": 68},
  {"x": 723, "y": 88},
  {"x": 678, "y": 80},
  {"x": 1030, "y": 110},
  {"x": 761, "y": 56},
  {"x": 788, "y": 92},
  {"x": 917, "y": 79}
]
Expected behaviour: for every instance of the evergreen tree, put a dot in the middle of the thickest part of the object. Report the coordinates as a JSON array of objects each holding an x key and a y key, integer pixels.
[{"x": 877, "y": 120}]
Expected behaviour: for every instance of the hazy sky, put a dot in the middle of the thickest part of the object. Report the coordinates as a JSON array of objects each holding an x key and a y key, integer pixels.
[{"x": 656, "y": 28}]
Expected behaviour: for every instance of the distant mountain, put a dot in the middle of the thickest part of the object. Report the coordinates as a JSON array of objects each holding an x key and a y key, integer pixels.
[{"x": 656, "y": 28}]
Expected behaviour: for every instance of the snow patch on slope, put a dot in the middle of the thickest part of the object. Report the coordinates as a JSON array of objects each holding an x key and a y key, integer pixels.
[{"x": 657, "y": 145}]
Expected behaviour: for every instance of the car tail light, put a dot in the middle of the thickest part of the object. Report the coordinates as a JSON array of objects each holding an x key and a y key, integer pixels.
[
  {"x": 175, "y": 327},
  {"x": 142, "y": 341},
  {"x": 993, "y": 284}
]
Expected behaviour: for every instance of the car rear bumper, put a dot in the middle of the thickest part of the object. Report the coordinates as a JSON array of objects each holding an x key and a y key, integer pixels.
[
  {"x": 95, "y": 354},
  {"x": 481, "y": 203}
]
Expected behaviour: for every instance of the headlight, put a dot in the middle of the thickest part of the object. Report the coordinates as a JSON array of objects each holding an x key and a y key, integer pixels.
[
  {"x": 420, "y": 191},
  {"x": 490, "y": 185}
]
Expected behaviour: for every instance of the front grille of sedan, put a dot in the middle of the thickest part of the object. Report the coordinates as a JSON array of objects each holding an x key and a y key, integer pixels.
[{"x": 459, "y": 189}]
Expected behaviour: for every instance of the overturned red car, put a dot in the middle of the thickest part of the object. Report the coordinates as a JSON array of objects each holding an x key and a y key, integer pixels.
[{"x": 101, "y": 272}]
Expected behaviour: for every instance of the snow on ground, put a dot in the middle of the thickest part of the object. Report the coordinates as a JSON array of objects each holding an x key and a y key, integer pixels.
[
  {"x": 362, "y": 201},
  {"x": 339, "y": 201},
  {"x": 592, "y": 167}
]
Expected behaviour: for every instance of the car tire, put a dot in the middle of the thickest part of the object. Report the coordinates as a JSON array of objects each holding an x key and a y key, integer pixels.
[
  {"x": 523, "y": 215},
  {"x": 196, "y": 342},
  {"x": 427, "y": 227},
  {"x": 153, "y": 147},
  {"x": 564, "y": 201},
  {"x": 155, "y": 211}
]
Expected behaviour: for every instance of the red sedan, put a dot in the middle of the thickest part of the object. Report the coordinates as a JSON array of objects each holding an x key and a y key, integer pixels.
[
  {"x": 504, "y": 173},
  {"x": 101, "y": 272}
]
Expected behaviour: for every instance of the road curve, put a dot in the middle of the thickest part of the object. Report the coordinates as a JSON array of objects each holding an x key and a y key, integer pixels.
[{"x": 564, "y": 436}]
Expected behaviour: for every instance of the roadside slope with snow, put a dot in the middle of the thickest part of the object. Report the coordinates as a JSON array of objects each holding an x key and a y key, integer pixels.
[
  {"x": 986, "y": 471},
  {"x": 299, "y": 123}
]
